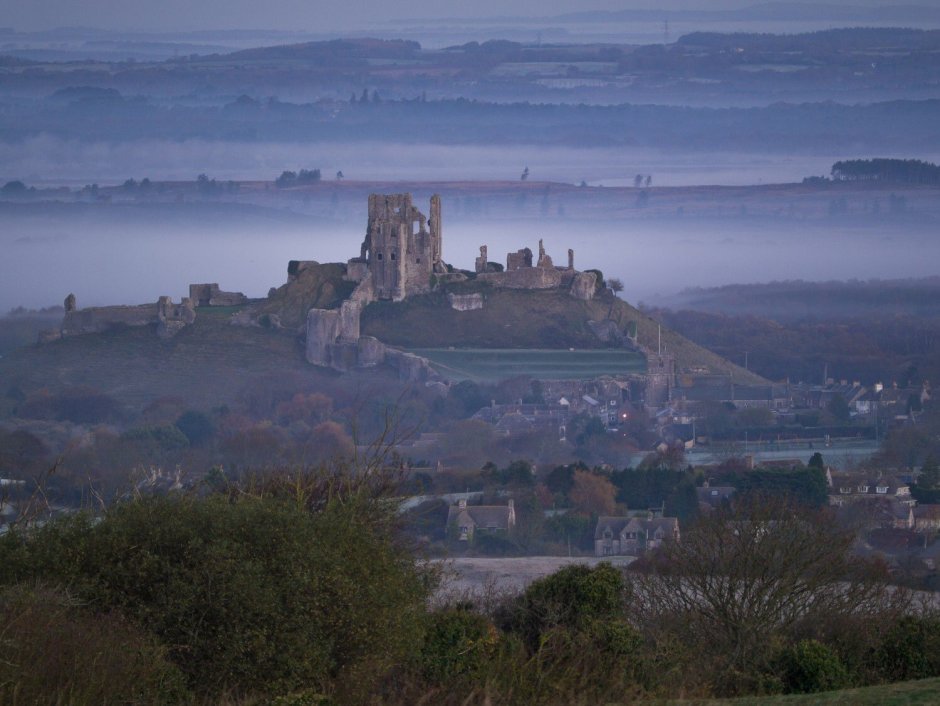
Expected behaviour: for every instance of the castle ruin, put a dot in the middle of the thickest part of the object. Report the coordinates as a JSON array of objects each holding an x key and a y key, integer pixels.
[
  {"x": 520, "y": 273},
  {"x": 169, "y": 318},
  {"x": 400, "y": 258}
]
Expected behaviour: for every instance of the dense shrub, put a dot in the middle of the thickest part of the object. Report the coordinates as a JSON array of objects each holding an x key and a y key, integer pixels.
[
  {"x": 909, "y": 650},
  {"x": 576, "y": 597},
  {"x": 457, "y": 644},
  {"x": 568, "y": 641},
  {"x": 810, "y": 666},
  {"x": 55, "y": 651},
  {"x": 254, "y": 594}
]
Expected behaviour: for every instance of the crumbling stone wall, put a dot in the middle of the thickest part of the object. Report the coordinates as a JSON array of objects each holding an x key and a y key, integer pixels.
[
  {"x": 481, "y": 262},
  {"x": 295, "y": 267},
  {"x": 519, "y": 259},
  {"x": 521, "y": 274},
  {"x": 210, "y": 295},
  {"x": 170, "y": 318},
  {"x": 544, "y": 261},
  {"x": 526, "y": 278},
  {"x": 333, "y": 335}
]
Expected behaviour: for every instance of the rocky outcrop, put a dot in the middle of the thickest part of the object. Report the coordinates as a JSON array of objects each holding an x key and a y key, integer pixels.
[{"x": 583, "y": 286}]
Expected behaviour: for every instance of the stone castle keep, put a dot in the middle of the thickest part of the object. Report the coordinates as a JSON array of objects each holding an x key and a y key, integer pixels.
[{"x": 400, "y": 259}]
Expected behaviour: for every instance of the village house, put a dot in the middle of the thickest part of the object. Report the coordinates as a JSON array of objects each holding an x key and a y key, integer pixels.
[
  {"x": 695, "y": 391},
  {"x": 853, "y": 487},
  {"x": 464, "y": 520},
  {"x": 631, "y": 536},
  {"x": 711, "y": 497}
]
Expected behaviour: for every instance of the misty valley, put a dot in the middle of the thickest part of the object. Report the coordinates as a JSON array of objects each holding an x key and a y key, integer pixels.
[{"x": 584, "y": 357}]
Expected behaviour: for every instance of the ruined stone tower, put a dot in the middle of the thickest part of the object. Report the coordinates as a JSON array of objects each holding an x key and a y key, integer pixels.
[{"x": 400, "y": 258}]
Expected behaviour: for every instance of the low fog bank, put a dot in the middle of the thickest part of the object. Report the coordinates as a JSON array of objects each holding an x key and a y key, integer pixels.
[
  {"x": 107, "y": 263},
  {"x": 49, "y": 160},
  {"x": 103, "y": 261},
  {"x": 656, "y": 260}
]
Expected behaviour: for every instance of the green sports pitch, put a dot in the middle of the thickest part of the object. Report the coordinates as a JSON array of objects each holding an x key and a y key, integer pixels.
[{"x": 493, "y": 364}]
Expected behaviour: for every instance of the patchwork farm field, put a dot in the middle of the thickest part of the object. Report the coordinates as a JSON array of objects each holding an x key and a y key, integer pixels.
[{"x": 494, "y": 364}]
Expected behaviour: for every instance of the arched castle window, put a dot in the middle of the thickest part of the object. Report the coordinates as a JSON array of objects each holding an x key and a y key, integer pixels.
[
  {"x": 393, "y": 256},
  {"x": 378, "y": 256}
]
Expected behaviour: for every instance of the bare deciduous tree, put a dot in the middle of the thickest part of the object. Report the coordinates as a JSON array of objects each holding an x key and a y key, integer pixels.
[{"x": 745, "y": 577}]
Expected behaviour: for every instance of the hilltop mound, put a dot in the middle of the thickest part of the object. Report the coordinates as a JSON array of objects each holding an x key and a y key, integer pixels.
[
  {"x": 532, "y": 319},
  {"x": 315, "y": 286}
]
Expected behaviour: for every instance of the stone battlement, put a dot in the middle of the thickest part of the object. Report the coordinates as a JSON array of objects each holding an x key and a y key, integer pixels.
[
  {"x": 170, "y": 318},
  {"x": 520, "y": 273},
  {"x": 210, "y": 295}
]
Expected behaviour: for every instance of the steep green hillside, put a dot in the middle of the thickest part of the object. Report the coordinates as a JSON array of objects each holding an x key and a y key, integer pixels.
[
  {"x": 208, "y": 363},
  {"x": 528, "y": 319}
]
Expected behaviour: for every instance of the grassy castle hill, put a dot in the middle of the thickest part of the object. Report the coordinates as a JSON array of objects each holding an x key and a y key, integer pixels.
[
  {"x": 211, "y": 361},
  {"x": 528, "y": 319}
]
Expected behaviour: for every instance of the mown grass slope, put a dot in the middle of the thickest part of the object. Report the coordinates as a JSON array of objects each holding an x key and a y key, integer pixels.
[{"x": 494, "y": 364}]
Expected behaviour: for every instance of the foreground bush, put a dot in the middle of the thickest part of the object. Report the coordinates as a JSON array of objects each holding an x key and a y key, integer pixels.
[
  {"x": 56, "y": 651},
  {"x": 748, "y": 580},
  {"x": 575, "y": 597},
  {"x": 250, "y": 594},
  {"x": 810, "y": 666}
]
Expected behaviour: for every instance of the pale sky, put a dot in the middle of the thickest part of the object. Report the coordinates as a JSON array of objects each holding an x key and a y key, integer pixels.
[{"x": 317, "y": 15}]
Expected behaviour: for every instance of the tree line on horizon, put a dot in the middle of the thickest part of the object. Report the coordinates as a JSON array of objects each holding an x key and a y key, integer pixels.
[{"x": 899, "y": 171}]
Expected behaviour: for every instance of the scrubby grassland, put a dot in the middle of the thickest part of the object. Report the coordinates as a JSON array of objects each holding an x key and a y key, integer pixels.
[
  {"x": 494, "y": 364},
  {"x": 910, "y": 693},
  {"x": 544, "y": 319}
]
